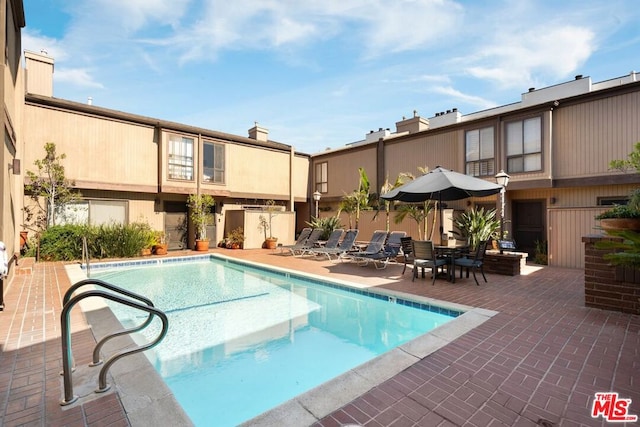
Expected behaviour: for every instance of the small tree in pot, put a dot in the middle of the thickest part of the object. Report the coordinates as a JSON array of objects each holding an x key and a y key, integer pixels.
[
  {"x": 266, "y": 224},
  {"x": 200, "y": 206}
]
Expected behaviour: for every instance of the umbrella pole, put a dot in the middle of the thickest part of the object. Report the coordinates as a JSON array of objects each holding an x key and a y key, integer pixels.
[{"x": 441, "y": 217}]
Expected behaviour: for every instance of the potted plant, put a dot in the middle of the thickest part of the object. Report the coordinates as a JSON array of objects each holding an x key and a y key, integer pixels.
[
  {"x": 161, "y": 246},
  {"x": 477, "y": 225},
  {"x": 235, "y": 239},
  {"x": 624, "y": 217},
  {"x": 200, "y": 206},
  {"x": 266, "y": 224}
]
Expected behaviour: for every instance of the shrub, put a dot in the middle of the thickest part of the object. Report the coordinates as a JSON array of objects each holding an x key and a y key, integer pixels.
[
  {"x": 328, "y": 224},
  {"x": 620, "y": 211},
  {"x": 64, "y": 242}
]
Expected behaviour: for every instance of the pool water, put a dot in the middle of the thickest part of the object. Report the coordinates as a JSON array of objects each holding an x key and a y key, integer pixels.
[{"x": 243, "y": 340}]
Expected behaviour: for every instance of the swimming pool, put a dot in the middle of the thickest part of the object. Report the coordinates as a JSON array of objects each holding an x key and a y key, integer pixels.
[{"x": 220, "y": 337}]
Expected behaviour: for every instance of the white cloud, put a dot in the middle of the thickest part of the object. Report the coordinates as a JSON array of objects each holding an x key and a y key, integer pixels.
[
  {"x": 78, "y": 77},
  {"x": 34, "y": 42},
  {"x": 477, "y": 101}
]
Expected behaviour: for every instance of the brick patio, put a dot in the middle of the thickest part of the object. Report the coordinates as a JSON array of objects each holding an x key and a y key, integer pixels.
[{"x": 538, "y": 362}]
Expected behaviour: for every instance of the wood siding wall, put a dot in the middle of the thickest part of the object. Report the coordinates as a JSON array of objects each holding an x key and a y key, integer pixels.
[
  {"x": 589, "y": 135},
  {"x": 100, "y": 153}
]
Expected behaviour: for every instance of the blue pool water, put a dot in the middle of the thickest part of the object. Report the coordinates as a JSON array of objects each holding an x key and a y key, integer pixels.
[{"x": 242, "y": 340}]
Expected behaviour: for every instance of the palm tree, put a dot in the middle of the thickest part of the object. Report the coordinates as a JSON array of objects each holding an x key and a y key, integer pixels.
[
  {"x": 386, "y": 187},
  {"x": 416, "y": 212},
  {"x": 357, "y": 200}
]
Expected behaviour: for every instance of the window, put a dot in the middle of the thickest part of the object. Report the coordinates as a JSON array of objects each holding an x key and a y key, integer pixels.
[
  {"x": 321, "y": 177},
  {"x": 479, "y": 152},
  {"x": 93, "y": 212},
  {"x": 213, "y": 163},
  {"x": 524, "y": 145},
  {"x": 180, "y": 157}
]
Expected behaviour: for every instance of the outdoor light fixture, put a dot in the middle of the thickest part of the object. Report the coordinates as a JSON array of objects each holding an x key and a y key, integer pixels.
[
  {"x": 316, "y": 197},
  {"x": 502, "y": 179}
]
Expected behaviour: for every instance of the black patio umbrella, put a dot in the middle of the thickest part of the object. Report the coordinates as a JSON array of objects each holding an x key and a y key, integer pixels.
[{"x": 441, "y": 184}]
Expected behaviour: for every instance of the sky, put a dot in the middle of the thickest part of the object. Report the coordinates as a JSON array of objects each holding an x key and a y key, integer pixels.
[{"x": 322, "y": 74}]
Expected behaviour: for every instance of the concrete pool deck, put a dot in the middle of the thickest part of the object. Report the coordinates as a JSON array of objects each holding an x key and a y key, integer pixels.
[{"x": 538, "y": 361}]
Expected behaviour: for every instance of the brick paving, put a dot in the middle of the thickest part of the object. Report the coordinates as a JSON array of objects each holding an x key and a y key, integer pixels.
[{"x": 538, "y": 362}]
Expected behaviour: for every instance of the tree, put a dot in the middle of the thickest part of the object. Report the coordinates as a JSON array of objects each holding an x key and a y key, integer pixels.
[
  {"x": 357, "y": 200},
  {"x": 386, "y": 187},
  {"x": 418, "y": 213},
  {"x": 49, "y": 189}
]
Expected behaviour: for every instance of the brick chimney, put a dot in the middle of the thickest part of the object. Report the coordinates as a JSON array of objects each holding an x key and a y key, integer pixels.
[{"x": 39, "y": 73}]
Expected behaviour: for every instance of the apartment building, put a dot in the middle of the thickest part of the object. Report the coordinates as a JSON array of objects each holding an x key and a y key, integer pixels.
[{"x": 555, "y": 144}]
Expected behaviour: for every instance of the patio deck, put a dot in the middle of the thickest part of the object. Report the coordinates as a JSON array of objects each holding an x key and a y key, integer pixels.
[{"x": 538, "y": 362}]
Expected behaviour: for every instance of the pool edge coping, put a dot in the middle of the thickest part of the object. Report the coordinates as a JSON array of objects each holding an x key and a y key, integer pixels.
[{"x": 306, "y": 408}]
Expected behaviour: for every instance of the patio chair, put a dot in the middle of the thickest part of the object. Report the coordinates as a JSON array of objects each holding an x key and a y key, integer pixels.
[
  {"x": 310, "y": 243},
  {"x": 300, "y": 241},
  {"x": 407, "y": 251},
  {"x": 474, "y": 263},
  {"x": 375, "y": 245},
  {"x": 343, "y": 248},
  {"x": 424, "y": 256},
  {"x": 332, "y": 242}
]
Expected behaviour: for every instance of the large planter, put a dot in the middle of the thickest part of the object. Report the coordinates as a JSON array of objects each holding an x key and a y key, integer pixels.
[
  {"x": 160, "y": 249},
  {"x": 202, "y": 245},
  {"x": 620, "y": 224},
  {"x": 271, "y": 243}
]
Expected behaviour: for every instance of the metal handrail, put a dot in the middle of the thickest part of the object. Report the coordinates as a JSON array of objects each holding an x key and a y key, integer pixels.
[
  {"x": 67, "y": 358},
  {"x": 85, "y": 254},
  {"x": 96, "y": 351}
]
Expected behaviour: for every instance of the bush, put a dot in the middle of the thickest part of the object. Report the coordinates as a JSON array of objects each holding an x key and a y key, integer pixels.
[
  {"x": 620, "y": 211},
  {"x": 328, "y": 224},
  {"x": 64, "y": 242}
]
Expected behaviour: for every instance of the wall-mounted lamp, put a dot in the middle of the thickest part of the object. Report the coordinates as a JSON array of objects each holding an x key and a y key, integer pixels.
[
  {"x": 15, "y": 165},
  {"x": 552, "y": 200}
]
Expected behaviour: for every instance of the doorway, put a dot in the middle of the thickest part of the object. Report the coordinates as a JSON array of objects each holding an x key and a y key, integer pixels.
[
  {"x": 528, "y": 224},
  {"x": 175, "y": 225}
]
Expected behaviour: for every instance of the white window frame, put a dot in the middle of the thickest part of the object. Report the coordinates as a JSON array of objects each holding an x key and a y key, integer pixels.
[
  {"x": 180, "y": 158},
  {"x": 321, "y": 177},
  {"x": 524, "y": 145},
  {"x": 480, "y": 151},
  {"x": 216, "y": 173}
]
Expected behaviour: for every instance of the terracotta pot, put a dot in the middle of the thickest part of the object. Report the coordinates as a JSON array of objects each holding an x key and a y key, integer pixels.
[
  {"x": 620, "y": 224},
  {"x": 145, "y": 252},
  {"x": 24, "y": 236},
  {"x": 202, "y": 245},
  {"x": 271, "y": 243},
  {"x": 160, "y": 249}
]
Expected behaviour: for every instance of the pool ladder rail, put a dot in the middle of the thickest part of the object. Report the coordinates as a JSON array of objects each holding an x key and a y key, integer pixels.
[{"x": 118, "y": 295}]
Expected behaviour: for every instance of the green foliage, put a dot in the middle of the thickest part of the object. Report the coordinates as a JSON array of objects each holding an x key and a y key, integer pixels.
[
  {"x": 64, "y": 242},
  {"x": 48, "y": 189},
  {"x": 236, "y": 235},
  {"x": 477, "y": 225},
  {"x": 358, "y": 200},
  {"x": 200, "y": 206},
  {"x": 541, "y": 250},
  {"x": 620, "y": 211},
  {"x": 266, "y": 223},
  {"x": 629, "y": 248},
  {"x": 328, "y": 224},
  {"x": 632, "y": 161},
  {"x": 417, "y": 212}
]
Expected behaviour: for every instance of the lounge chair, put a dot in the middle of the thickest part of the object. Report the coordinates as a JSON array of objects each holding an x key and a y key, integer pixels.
[
  {"x": 424, "y": 256},
  {"x": 332, "y": 242},
  {"x": 309, "y": 244},
  {"x": 302, "y": 239},
  {"x": 343, "y": 248},
  {"x": 375, "y": 246},
  {"x": 389, "y": 252},
  {"x": 474, "y": 263}
]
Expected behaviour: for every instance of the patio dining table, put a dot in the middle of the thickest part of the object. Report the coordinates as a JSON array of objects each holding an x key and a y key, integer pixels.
[{"x": 451, "y": 253}]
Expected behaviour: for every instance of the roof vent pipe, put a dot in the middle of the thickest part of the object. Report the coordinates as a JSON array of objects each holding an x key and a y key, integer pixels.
[
  {"x": 579, "y": 76},
  {"x": 531, "y": 89}
]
